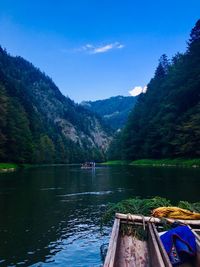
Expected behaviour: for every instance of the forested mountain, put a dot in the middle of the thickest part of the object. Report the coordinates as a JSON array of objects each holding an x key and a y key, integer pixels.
[
  {"x": 40, "y": 125},
  {"x": 165, "y": 122},
  {"x": 114, "y": 110}
]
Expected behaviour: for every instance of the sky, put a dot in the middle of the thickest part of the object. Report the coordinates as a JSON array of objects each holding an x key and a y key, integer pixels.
[{"x": 95, "y": 49}]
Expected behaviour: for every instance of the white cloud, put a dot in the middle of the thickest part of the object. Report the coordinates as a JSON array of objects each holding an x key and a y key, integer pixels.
[
  {"x": 87, "y": 47},
  {"x": 138, "y": 90},
  {"x": 92, "y": 49},
  {"x": 102, "y": 49},
  {"x": 120, "y": 46},
  {"x": 106, "y": 48}
]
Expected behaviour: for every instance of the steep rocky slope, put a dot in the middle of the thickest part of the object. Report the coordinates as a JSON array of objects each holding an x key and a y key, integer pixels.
[
  {"x": 39, "y": 124},
  {"x": 114, "y": 110}
]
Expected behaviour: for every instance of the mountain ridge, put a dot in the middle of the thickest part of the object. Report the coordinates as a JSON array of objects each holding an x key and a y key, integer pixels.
[
  {"x": 114, "y": 110},
  {"x": 32, "y": 104}
]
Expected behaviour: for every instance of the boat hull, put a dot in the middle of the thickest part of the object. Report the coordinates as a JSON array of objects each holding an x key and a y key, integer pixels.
[{"x": 126, "y": 250}]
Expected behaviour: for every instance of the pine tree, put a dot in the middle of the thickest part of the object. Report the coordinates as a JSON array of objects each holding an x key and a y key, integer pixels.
[
  {"x": 195, "y": 33},
  {"x": 47, "y": 149},
  {"x": 3, "y": 120},
  {"x": 163, "y": 67},
  {"x": 166, "y": 122}
]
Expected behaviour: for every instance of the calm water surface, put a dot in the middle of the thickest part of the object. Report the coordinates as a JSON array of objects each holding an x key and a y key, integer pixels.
[{"x": 50, "y": 216}]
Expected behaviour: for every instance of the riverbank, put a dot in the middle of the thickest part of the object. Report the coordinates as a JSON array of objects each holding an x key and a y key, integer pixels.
[
  {"x": 116, "y": 162},
  {"x": 10, "y": 167},
  {"x": 195, "y": 163}
]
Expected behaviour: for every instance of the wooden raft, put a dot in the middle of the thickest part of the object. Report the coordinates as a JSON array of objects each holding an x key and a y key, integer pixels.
[{"x": 128, "y": 251}]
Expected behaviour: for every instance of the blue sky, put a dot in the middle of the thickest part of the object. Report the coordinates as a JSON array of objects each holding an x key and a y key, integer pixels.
[{"x": 96, "y": 49}]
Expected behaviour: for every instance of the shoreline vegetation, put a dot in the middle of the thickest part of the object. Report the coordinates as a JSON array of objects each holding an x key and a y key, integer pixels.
[
  {"x": 116, "y": 162},
  {"x": 191, "y": 163},
  {"x": 144, "y": 206},
  {"x": 179, "y": 162},
  {"x": 10, "y": 167}
]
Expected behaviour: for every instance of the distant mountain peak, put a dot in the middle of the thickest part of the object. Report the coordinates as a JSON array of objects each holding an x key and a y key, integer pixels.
[{"x": 114, "y": 110}]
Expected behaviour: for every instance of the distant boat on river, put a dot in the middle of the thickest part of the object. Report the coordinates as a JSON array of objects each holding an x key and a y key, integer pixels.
[{"x": 88, "y": 165}]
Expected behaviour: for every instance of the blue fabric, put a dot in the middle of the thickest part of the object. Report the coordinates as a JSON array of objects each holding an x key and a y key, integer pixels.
[{"x": 180, "y": 244}]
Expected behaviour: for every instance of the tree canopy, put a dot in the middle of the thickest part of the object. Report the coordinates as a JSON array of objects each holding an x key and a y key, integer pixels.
[
  {"x": 40, "y": 125},
  {"x": 165, "y": 122}
]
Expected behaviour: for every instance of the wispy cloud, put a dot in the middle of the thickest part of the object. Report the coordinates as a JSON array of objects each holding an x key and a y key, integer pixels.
[
  {"x": 106, "y": 48},
  {"x": 92, "y": 49},
  {"x": 137, "y": 90}
]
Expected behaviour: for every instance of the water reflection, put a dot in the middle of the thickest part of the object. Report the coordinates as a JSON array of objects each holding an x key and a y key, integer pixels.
[{"x": 50, "y": 216}]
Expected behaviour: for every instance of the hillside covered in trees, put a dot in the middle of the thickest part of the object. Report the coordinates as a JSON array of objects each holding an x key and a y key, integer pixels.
[
  {"x": 40, "y": 125},
  {"x": 165, "y": 122},
  {"x": 114, "y": 110}
]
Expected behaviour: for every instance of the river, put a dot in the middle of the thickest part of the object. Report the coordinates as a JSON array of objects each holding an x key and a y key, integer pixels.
[{"x": 50, "y": 216}]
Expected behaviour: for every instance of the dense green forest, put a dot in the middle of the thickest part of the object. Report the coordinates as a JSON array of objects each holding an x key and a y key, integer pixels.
[
  {"x": 40, "y": 125},
  {"x": 114, "y": 110},
  {"x": 165, "y": 122}
]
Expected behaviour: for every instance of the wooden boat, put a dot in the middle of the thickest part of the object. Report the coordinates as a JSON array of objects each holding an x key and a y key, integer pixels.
[
  {"x": 88, "y": 165},
  {"x": 126, "y": 250}
]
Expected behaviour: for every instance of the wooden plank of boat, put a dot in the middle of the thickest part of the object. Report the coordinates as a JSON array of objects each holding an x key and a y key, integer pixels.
[
  {"x": 140, "y": 218},
  {"x": 127, "y": 250},
  {"x": 131, "y": 251},
  {"x": 110, "y": 257},
  {"x": 197, "y": 260},
  {"x": 161, "y": 247},
  {"x": 197, "y": 231},
  {"x": 155, "y": 251},
  {"x": 196, "y": 235}
]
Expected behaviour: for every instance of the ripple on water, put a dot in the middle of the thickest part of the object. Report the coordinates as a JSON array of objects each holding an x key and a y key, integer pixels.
[
  {"x": 50, "y": 188},
  {"x": 87, "y": 193}
]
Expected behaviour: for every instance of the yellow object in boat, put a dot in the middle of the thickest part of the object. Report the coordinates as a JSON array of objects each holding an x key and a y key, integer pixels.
[{"x": 175, "y": 213}]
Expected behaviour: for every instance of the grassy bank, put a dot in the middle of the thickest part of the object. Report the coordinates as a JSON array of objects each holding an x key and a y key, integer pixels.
[
  {"x": 157, "y": 162},
  {"x": 5, "y": 167},
  {"x": 8, "y": 167},
  {"x": 167, "y": 162},
  {"x": 116, "y": 162},
  {"x": 145, "y": 207}
]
